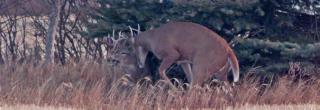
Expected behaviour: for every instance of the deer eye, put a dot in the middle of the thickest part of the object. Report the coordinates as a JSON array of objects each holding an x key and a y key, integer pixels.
[
  {"x": 124, "y": 53},
  {"x": 113, "y": 61}
]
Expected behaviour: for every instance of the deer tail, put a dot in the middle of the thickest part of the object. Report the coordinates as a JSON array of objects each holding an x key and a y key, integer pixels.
[{"x": 232, "y": 59}]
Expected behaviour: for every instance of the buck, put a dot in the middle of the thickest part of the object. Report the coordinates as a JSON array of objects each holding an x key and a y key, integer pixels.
[
  {"x": 202, "y": 53},
  {"x": 120, "y": 56},
  {"x": 128, "y": 64}
]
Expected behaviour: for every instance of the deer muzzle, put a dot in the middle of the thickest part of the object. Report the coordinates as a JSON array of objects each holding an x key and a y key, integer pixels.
[{"x": 140, "y": 65}]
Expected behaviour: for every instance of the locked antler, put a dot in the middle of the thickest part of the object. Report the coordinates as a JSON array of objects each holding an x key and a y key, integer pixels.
[
  {"x": 113, "y": 41},
  {"x": 132, "y": 29}
]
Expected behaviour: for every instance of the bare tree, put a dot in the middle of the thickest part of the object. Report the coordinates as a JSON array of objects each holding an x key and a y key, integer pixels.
[{"x": 53, "y": 24}]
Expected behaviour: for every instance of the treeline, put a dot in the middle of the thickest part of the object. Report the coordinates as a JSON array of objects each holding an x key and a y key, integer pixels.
[
  {"x": 23, "y": 32},
  {"x": 266, "y": 33}
]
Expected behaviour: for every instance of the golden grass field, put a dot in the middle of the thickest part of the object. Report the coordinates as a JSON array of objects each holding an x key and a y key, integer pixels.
[
  {"x": 92, "y": 86},
  {"x": 34, "y": 107},
  {"x": 245, "y": 107}
]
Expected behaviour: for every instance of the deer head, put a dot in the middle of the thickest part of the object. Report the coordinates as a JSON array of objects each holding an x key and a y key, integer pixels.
[
  {"x": 121, "y": 55},
  {"x": 140, "y": 51}
]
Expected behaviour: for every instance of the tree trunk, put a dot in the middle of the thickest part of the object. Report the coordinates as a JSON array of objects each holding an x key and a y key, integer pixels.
[{"x": 53, "y": 24}]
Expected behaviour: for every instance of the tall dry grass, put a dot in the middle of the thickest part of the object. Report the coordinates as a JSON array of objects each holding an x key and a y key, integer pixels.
[{"x": 90, "y": 85}]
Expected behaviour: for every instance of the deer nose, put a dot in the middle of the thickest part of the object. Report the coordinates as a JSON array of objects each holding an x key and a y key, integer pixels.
[{"x": 140, "y": 65}]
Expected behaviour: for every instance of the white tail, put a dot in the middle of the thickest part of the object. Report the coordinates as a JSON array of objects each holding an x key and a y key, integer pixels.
[
  {"x": 189, "y": 44},
  {"x": 234, "y": 67}
]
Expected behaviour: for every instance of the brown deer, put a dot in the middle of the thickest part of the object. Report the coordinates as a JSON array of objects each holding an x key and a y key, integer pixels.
[
  {"x": 128, "y": 64},
  {"x": 188, "y": 44},
  {"x": 120, "y": 56}
]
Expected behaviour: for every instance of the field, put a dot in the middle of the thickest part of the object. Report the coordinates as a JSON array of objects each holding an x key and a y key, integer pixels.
[
  {"x": 93, "y": 86},
  {"x": 245, "y": 107},
  {"x": 275, "y": 41}
]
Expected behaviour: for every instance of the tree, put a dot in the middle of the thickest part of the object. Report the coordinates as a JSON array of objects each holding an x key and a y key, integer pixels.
[
  {"x": 52, "y": 27},
  {"x": 276, "y": 21}
]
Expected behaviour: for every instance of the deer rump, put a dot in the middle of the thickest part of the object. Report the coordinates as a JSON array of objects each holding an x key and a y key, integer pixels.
[{"x": 187, "y": 43}]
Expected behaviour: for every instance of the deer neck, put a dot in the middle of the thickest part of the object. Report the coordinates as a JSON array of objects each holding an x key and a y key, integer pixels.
[{"x": 145, "y": 42}]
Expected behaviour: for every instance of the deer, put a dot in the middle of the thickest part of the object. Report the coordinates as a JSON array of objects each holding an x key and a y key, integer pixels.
[
  {"x": 202, "y": 53},
  {"x": 120, "y": 56}
]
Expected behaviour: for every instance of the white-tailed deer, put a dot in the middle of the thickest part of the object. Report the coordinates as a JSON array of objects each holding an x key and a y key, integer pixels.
[
  {"x": 128, "y": 64},
  {"x": 120, "y": 56},
  {"x": 188, "y": 44}
]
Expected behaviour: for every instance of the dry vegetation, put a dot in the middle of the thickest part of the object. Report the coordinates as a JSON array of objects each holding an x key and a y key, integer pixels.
[
  {"x": 245, "y": 107},
  {"x": 34, "y": 107},
  {"x": 89, "y": 85}
]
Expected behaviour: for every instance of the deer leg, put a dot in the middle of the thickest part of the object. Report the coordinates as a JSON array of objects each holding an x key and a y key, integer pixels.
[
  {"x": 166, "y": 63},
  {"x": 222, "y": 73},
  {"x": 200, "y": 74},
  {"x": 187, "y": 70}
]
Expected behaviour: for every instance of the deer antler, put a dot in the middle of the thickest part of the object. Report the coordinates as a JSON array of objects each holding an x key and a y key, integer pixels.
[
  {"x": 132, "y": 29},
  {"x": 113, "y": 41},
  {"x": 139, "y": 30}
]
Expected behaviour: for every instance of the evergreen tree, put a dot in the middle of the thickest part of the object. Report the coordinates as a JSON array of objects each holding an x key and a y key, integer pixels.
[{"x": 279, "y": 29}]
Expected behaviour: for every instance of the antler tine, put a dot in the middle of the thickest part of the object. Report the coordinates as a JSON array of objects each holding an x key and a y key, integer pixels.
[
  {"x": 113, "y": 33},
  {"x": 116, "y": 41},
  {"x": 121, "y": 35},
  {"x": 139, "y": 29},
  {"x": 131, "y": 31}
]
